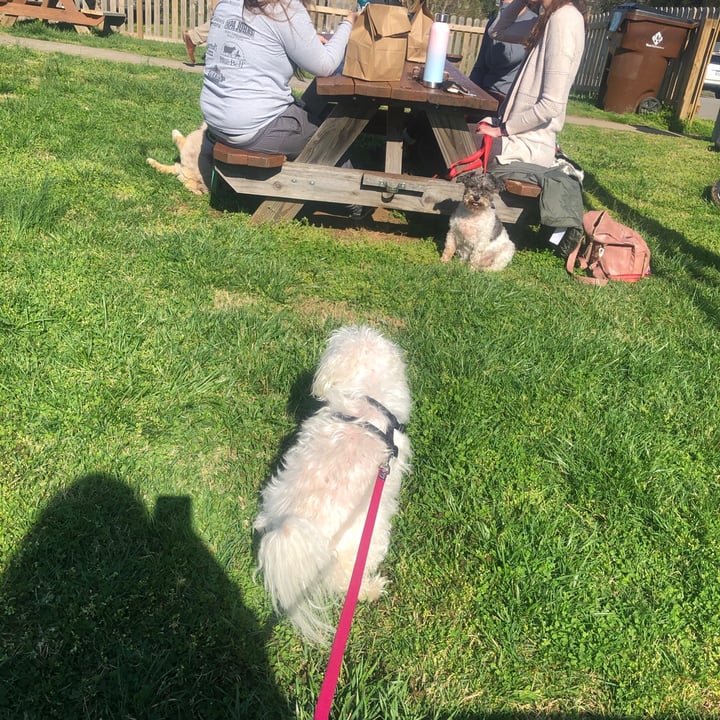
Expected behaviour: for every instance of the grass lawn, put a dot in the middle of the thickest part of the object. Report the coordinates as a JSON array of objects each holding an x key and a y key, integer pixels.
[
  {"x": 557, "y": 550},
  {"x": 113, "y": 40}
]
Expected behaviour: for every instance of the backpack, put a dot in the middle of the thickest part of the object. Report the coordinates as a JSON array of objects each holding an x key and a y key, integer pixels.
[{"x": 610, "y": 251}]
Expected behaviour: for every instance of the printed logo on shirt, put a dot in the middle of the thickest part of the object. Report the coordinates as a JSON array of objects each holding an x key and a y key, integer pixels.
[
  {"x": 239, "y": 27},
  {"x": 232, "y": 56},
  {"x": 213, "y": 75},
  {"x": 228, "y": 55}
]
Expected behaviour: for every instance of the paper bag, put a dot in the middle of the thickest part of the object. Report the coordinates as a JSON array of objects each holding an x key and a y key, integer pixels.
[
  {"x": 378, "y": 43},
  {"x": 420, "y": 25}
]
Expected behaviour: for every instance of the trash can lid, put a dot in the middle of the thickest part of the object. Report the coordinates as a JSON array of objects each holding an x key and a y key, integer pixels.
[{"x": 646, "y": 11}]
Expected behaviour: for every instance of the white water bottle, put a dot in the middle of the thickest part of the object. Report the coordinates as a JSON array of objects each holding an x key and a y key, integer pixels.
[{"x": 437, "y": 51}]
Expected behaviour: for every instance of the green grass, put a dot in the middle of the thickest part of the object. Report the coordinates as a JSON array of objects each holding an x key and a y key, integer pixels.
[
  {"x": 112, "y": 40},
  {"x": 585, "y": 106},
  {"x": 556, "y": 553}
]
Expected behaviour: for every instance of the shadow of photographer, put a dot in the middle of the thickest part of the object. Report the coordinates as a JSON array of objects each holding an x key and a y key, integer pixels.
[{"x": 111, "y": 612}]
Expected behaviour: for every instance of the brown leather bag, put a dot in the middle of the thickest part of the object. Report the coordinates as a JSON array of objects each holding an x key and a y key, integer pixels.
[{"x": 610, "y": 251}]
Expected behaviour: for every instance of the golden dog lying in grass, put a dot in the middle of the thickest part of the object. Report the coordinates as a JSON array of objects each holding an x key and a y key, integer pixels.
[{"x": 195, "y": 166}]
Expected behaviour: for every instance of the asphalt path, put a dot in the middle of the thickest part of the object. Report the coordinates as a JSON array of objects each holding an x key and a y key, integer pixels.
[
  {"x": 97, "y": 53},
  {"x": 709, "y": 108}
]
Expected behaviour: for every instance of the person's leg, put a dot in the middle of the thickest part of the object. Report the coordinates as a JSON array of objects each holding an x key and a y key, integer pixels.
[
  {"x": 560, "y": 202},
  {"x": 317, "y": 107},
  {"x": 561, "y": 207},
  {"x": 287, "y": 134},
  {"x": 194, "y": 37},
  {"x": 199, "y": 34}
]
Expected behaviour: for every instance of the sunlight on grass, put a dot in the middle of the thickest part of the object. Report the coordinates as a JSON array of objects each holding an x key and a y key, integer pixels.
[{"x": 557, "y": 548}]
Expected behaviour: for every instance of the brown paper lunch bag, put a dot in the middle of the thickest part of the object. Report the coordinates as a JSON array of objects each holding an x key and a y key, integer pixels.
[
  {"x": 420, "y": 23},
  {"x": 378, "y": 43}
]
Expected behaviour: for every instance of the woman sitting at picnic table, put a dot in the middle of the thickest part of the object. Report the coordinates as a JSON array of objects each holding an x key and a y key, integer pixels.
[
  {"x": 524, "y": 145},
  {"x": 253, "y": 49}
]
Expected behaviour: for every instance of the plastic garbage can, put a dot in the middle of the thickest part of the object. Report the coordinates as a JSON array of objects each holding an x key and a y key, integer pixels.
[{"x": 642, "y": 43}]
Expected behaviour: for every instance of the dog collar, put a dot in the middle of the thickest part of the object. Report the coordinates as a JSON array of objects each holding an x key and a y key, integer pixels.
[{"x": 388, "y": 437}]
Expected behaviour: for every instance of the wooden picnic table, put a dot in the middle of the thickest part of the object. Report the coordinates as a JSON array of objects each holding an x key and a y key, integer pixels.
[
  {"x": 313, "y": 176},
  {"x": 64, "y": 11}
]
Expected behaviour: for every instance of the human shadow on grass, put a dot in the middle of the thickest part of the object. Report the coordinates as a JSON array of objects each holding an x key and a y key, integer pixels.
[
  {"x": 698, "y": 260},
  {"x": 301, "y": 405},
  {"x": 112, "y": 612}
]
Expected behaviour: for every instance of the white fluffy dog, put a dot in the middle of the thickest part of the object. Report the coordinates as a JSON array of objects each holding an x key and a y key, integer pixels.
[
  {"x": 313, "y": 509},
  {"x": 195, "y": 165},
  {"x": 476, "y": 233}
]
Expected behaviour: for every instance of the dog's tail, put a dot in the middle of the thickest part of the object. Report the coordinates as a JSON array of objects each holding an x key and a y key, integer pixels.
[{"x": 294, "y": 562}]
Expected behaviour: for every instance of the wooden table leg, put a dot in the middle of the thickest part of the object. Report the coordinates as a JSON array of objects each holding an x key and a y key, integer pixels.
[
  {"x": 331, "y": 141},
  {"x": 394, "y": 141},
  {"x": 452, "y": 134}
]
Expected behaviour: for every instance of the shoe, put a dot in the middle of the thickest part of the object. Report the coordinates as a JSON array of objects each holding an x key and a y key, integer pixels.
[
  {"x": 359, "y": 212},
  {"x": 570, "y": 240},
  {"x": 189, "y": 46}
]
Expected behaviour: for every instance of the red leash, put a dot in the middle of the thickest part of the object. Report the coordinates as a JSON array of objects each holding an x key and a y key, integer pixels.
[
  {"x": 327, "y": 691},
  {"x": 474, "y": 161}
]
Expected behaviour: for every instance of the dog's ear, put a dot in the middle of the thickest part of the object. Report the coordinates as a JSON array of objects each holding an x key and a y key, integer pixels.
[
  {"x": 465, "y": 178},
  {"x": 497, "y": 184}
]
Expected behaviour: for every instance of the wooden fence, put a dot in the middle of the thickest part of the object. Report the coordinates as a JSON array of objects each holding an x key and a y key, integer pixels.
[{"x": 167, "y": 19}]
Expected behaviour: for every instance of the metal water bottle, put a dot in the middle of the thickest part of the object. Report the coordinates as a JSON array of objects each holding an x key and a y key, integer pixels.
[{"x": 437, "y": 51}]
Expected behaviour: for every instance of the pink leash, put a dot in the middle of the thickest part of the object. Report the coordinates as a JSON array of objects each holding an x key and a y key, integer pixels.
[{"x": 327, "y": 691}]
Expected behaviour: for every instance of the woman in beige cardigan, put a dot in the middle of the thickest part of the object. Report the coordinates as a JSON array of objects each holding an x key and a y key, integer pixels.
[{"x": 525, "y": 138}]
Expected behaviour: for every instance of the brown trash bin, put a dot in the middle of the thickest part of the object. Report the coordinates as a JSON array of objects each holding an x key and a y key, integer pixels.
[{"x": 642, "y": 43}]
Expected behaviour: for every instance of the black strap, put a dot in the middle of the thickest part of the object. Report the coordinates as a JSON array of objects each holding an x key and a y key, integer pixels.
[{"x": 388, "y": 437}]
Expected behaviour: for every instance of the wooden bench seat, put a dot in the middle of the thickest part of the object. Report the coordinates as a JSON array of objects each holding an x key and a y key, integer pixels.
[
  {"x": 251, "y": 158},
  {"x": 239, "y": 156},
  {"x": 522, "y": 188},
  {"x": 272, "y": 176}
]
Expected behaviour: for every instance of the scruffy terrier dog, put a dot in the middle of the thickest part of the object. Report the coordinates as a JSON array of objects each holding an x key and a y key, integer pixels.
[
  {"x": 194, "y": 168},
  {"x": 476, "y": 234},
  {"x": 313, "y": 509}
]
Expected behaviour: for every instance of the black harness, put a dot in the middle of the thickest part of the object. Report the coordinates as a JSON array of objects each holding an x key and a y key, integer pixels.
[{"x": 388, "y": 437}]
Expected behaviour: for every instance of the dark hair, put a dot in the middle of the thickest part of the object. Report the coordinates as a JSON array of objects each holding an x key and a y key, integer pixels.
[
  {"x": 261, "y": 5},
  {"x": 539, "y": 28}
]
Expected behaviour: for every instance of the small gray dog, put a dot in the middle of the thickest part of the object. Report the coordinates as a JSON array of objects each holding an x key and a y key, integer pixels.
[{"x": 476, "y": 233}]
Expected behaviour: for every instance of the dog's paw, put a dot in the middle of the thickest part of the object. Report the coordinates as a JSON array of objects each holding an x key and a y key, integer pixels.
[
  {"x": 192, "y": 185},
  {"x": 372, "y": 588},
  {"x": 448, "y": 252}
]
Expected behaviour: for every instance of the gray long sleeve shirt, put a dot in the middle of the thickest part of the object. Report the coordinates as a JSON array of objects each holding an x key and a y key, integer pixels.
[{"x": 250, "y": 59}]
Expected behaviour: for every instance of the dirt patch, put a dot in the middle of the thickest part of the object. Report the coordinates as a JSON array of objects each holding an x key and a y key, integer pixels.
[
  {"x": 340, "y": 313},
  {"x": 226, "y": 300},
  {"x": 383, "y": 226}
]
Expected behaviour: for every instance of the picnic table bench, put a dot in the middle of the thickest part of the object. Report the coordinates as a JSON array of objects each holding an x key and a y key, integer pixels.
[{"x": 313, "y": 176}]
